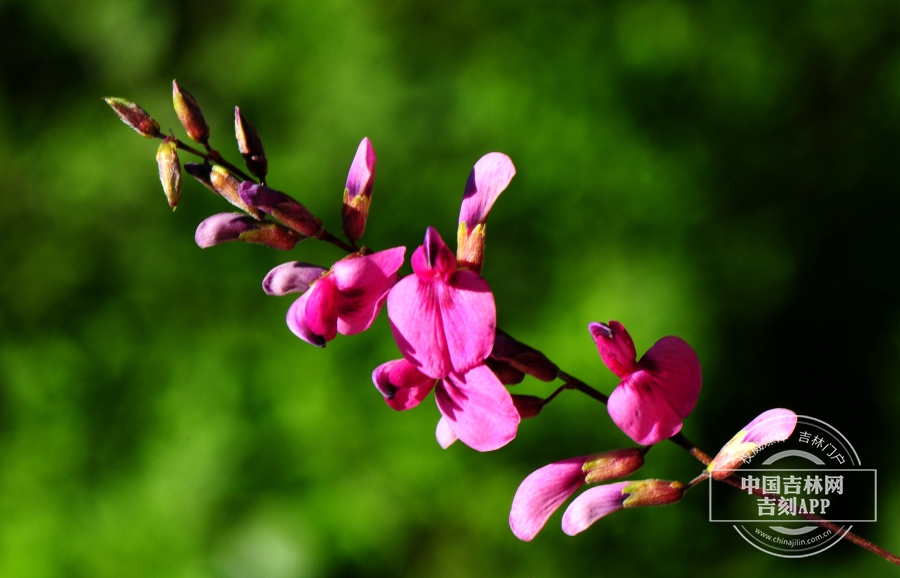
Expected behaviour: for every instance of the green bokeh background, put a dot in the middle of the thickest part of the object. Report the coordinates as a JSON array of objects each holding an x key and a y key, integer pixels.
[{"x": 725, "y": 171}]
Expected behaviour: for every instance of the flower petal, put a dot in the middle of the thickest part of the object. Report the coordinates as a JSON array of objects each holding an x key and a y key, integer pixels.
[
  {"x": 362, "y": 284},
  {"x": 676, "y": 371},
  {"x": 469, "y": 319},
  {"x": 417, "y": 326},
  {"x": 296, "y": 321},
  {"x": 541, "y": 493},
  {"x": 292, "y": 277},
  {"x": 489, "y": 177},
  {"x": 641, "y": 411},
  {"x": 362, "y": 170},
  {"x": 774, "y": 425},
  {"x": 401, "y": 384},
  {"x": 444, "y": 434},
  {"x": 321, "y": 308},
  {"x": 615, "y": 346},
  {"x": 478, "y": 408},
  {"x": 593, "y": 505}
]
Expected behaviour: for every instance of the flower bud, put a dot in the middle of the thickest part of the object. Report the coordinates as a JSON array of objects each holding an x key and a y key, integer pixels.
[
  {"x": 489, "y": 177},
  {"x": 613, "y": 464},
  {"x": 189, "y": 114},
  {"x": 250, "y": 145},
  {"x": 652, "y": 493},
  {"x": 527, "y": 405},
  {"x": 506, "y": 373},
  {"x": 134, "y": 116},
  {"x": 227, "y": 185},
  {"x": 358, "y": 191},
  {"x": 292, "y": 277},
  {"x": 523, "y": 358},
  {"x": 282, "y": 207},
  {"x": 774, "y": 425},
  {"x": 228, "y": 227},
  {"x": 169, "y": 171}
]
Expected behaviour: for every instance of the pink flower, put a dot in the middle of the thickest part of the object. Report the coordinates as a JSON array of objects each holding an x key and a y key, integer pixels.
[
  {"x": 489, "y": 177},
  {"x": 443, "y": 319},
  {"x": 775, "y": 425},
  {"x": 345, "y": 299},
  {"x": 475, "y": 406},
  {"x": 603, "y": 500},
  {"x": 358, "y": 191},
  {"x": 655, "y": 393},
  {"x": 544, "y": 490}
]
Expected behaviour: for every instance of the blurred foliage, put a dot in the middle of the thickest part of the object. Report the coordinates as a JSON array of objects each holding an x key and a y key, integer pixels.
[{"x": 721, "y": 170}]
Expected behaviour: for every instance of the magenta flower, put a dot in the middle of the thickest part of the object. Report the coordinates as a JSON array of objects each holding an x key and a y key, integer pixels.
[
  {"x": 358, "y": 191},
  {"x": 544, "y": 490},
  {"x": 774, "y": 425},
  {"x": 475, "y": 406},
  {"x": 489, "y": 177},
  {"x": 655, "y": 393},
  {"x": 346, "y": 299},
  {"x": 603, "y": 500},
  {"x": 443, "y": 319}
]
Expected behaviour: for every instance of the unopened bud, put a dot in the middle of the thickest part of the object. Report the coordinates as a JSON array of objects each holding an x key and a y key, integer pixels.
[
  {"x": 202, "y": 172},
  {"x": 358, "y": 191},
  {"x": 523, "y": 358},
  {"x": 282, "y": 207},
  {"x": 527, "y": 405},
  {"x": 189, "y": 114},
  {"x": 169, "y": 171},
  {"x": 134, "y": 116},
  {"x": 652, "y": 493},
  {"x": 250, "y": 145},
  {"x": 228, "y": 227},
  {"x": 227, "y": 185},
  {"x": 613, "y": 464},
  {"x": 507, "y": 374}
]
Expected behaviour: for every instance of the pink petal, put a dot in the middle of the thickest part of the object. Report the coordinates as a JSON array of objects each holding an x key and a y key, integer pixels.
[
  {"x": 641, "y": 411},
  {"x": 615, "y": 346},
  {"x": 478, "y": 408},
  {"x": 402, "y": 386},
  {"x": 434, "y": 257},
  {"x": 296, "y": 321},
  {"x": 593, "y": 505},
  {"x": 362, "y": 170},
  {"x": 292, "y": 277},
  {"x": 417, "y": 326},
  {"x": 541, "y": 493},
  {"x": 321, "y": 308},
  {"x": 774, "y": 425},
  {"x": 489, "y": 177},
  {"x": 676, "y": 372},
  {"x": 362, "y": 285},
  {"x": 444, "y": 434},
  {"x": 222, "y": 228}
]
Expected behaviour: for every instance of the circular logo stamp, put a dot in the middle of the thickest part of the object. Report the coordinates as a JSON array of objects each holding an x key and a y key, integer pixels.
[{"x": 787, "y": 487}]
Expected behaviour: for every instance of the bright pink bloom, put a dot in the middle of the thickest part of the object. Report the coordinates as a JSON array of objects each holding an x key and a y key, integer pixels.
[
  {"x": 602, "y": 500},
  {"x": 489, "y": 177},
  {"x": 774, "y": 425},
  {"x": 358, "y": 191},
  {"x": 443, "y": 319},
  {"x": 541, "y": 493},
  {"x": 475, "y": 406},
  {"x": 657, "y": 392},
  {"x": 345, "y": 299}
]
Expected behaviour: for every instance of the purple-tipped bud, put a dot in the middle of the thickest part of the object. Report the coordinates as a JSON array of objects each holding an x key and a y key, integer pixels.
[
  {"x": 506, "y": 373},
  {"x": 134, "y": 116},
  {"x": 226, "y": 185},
  {"x": 613, "y": 464},
  {"x": 523, "y": 358},
  {"x": 358, "y": 191},
  {"x": 293, "y": 277},
  {"x": 282, "y": 207},
  {"x": 228, "y": 227},
  {"x": 615, "y": 347},
  {"x": 250, "y": 145},
  {"x": 169, "y": 171},
  {"x": 528, "y": 406},
  {"x": 189, "y": 114},
  {"x": 774, "y": 425}
]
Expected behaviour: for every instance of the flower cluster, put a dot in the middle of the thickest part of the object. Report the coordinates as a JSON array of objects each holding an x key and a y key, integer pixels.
[{"x": 443, "y": 319}]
